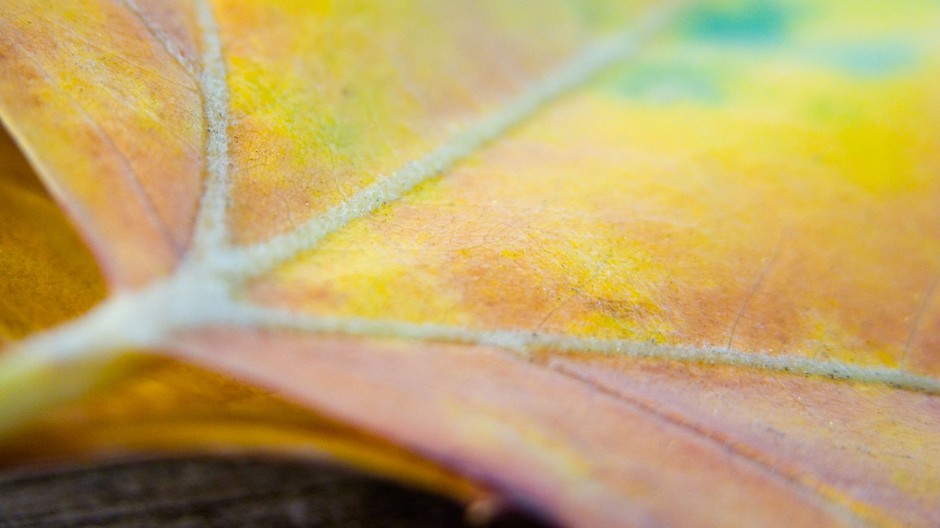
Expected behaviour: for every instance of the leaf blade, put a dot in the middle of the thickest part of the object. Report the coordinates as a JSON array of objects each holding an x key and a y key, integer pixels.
[{"x": 673, "y": 240}]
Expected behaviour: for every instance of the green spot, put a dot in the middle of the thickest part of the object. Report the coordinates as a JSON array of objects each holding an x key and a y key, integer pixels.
[
  {"x": 755, "y": 22},
  {"x": 667, "y": 84},
  {"x": 872, "y": 60}
]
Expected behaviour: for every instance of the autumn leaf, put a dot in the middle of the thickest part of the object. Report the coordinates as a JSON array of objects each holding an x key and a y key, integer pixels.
[{"x": 615, "y": 263}]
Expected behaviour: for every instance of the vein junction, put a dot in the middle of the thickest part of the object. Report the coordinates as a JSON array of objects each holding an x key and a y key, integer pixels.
[{"x": 204, "y": 289}]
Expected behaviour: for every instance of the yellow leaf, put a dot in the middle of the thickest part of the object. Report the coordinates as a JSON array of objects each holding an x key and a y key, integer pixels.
[
  {"x": 48, "y": 275},
  {"x": 622, "y": 264}
]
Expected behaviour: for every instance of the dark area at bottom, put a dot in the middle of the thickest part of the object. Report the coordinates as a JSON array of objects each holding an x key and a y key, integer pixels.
[{"x": 221, "y": 492}]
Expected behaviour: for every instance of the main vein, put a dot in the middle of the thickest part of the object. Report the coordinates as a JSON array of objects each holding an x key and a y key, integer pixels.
[{"x": 211, "y": 233}]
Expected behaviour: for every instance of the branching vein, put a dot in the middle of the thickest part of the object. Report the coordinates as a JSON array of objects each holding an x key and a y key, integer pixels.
[{"x": 259, "y": 258}]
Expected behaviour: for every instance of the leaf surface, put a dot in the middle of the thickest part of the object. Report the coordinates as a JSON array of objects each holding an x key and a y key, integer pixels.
[
  {"x": 48, "y": 274},
  {"x": 655, "y": 266}
]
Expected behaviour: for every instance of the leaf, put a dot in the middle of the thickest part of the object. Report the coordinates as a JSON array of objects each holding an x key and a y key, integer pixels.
[
  {"x": 48, "y": 274},
  {"x": 654, "y": 266}
]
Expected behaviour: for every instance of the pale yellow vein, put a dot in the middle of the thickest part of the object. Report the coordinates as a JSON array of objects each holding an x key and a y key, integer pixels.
[
  {"x": 211, "y": 232},
  {"x": 524, "y": 342},
  {"x": 257, "y": 259}
]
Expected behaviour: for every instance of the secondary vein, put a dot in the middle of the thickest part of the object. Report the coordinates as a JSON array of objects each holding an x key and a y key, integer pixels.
[
  {"x": 163, "y": 39},
  {"x": 256, "y": 259},
  {"x": 525, "y": 342}
]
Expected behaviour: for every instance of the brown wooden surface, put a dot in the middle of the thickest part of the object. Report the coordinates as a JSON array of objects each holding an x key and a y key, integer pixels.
[{"x": 220, "y": 492}]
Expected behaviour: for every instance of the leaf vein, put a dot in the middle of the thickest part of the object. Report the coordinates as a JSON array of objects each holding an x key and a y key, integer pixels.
[
  {"x": 802, "y": 484},
  {"x": 211, "y": 232},
  {"x": 256, "y": 259},
  {"x": 163, "y": 39},
  {"x": 525, "y": 342},
  {"x": 146, "y": 200}
]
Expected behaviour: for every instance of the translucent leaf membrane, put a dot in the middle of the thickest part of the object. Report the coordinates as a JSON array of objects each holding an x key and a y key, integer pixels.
[
  {"x": 48, "y": 275},
  {"x": 172, "y": 408},
  {"x": 108, "y": 111}
]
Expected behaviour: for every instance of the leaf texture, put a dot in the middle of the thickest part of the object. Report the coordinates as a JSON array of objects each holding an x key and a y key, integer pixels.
[
  {"x": 658, "y": 265},
  {"x": 48, "y": 274}
]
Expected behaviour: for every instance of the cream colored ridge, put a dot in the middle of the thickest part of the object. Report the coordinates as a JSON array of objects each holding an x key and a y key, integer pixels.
[
  {"x": 161, "y": 36},
  {"x": 257, "y": 259},
  {"x": 203, "y": 290},
  {"x": 211, "y": 232}
]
